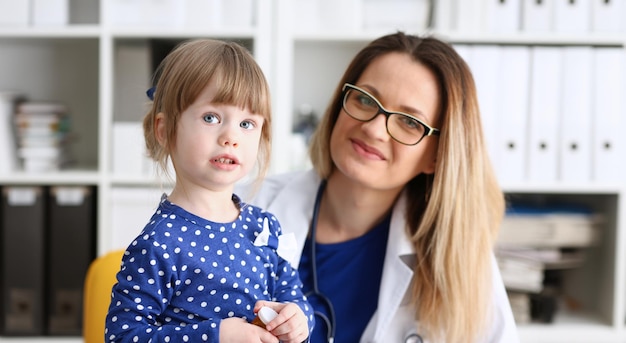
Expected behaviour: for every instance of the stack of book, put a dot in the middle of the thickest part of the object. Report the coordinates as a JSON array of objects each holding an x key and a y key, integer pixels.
[
  {"x": 42, "y": 130},
  {"x": 534, "y": 246},
  {"x": 8, "y": 157}
]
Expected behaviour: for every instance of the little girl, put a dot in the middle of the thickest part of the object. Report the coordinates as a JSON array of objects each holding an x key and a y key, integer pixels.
[{"x": 207, "y": 262}]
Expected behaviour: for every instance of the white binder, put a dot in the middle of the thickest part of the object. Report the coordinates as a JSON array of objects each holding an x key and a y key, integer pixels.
[
  {"x": 50, "y": 12},
  {"x": 336, "y": 16},
  {"x": 607, "y": 15},
  {"x": 444, "y": 14},
  {"x": 512, "y": 112},
  {"x": 470, "y": 15},
  {"x": 545, "y": 100},
  {"x": 537, "y": 16},
  {"x": 130, "y": 158},
  {"x": 608, "y": 86},
  {"x": 202, "y": 14},
  {"x": 503, "y": 15},
  {"x": 576, "y": 115},
  {"x": 238, "y": 13},
  {"x": 572, "y": 16},
  {"x": 144, "y": 13},
  {"x": 131, "y": 209},
  {"x": 485, "y": 68},
  {"x": 14, "y": 13}
]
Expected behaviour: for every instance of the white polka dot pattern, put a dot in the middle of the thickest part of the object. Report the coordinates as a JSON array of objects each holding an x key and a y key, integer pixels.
[{"x": 183, "y": 274}]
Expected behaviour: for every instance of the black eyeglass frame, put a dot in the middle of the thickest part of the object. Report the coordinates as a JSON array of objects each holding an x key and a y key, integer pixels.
[{"x": 429, "y": 130}]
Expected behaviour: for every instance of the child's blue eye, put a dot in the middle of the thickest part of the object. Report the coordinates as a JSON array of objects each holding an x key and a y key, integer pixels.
[
  {"x": 211, "y": 118},
  {"x": 248, "y": 125}
]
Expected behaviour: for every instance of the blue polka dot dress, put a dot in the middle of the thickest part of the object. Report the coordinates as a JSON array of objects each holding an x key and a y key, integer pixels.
[{"x": 184, "y": 274}]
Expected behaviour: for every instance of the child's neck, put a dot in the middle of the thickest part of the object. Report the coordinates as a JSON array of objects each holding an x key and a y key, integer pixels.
[{"x": 216, "y": 206}]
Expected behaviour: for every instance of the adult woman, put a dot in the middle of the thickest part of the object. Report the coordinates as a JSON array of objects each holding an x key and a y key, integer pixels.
[{"x": 398, "y": 219}]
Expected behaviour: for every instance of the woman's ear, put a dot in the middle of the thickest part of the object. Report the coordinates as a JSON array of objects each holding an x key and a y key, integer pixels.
[{"x": 160, "y": 131}]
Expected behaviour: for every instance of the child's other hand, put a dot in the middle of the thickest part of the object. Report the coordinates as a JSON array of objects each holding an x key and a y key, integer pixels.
[
  {"x": 238, "y": 330},
  {"x": 290, "y": 325}
]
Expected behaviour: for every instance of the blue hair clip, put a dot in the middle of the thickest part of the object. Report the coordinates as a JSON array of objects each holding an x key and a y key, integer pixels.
[{"x": 150, "y": 93}]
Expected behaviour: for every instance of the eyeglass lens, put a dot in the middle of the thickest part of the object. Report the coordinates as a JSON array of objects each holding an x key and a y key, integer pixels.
[{"x": 402, "y": 127}]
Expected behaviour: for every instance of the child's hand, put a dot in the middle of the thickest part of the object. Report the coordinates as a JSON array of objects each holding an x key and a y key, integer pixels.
[
  {"x": 290, "y": 325},
  {"x": 237, "y": 330}
]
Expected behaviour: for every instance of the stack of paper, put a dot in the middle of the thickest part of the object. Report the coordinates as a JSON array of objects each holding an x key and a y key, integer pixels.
[
  {"x": 549, "y": 230},
  {"x": 521, "y": 275},
  {"x": 537, "y": 242}
]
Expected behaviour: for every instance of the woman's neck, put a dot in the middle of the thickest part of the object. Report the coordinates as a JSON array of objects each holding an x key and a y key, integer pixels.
[{"x": 349, "y": 210}]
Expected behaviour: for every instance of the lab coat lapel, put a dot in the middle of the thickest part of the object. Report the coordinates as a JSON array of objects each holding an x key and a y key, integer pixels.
[
  {"x": 293, "y": 206},
  {"x": 396, "y": 278}
]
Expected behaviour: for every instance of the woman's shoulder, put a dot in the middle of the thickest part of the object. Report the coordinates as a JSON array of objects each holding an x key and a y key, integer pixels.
[{"x": 264, "y": 193}]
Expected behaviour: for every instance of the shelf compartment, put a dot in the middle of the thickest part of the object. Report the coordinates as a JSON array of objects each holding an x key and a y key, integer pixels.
[
  {"x": 587, "y": 293},
  {"x": 63, "y": 70}
]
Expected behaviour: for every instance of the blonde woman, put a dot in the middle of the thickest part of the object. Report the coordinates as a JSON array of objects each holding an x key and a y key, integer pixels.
[{"x": 396, "y": 222}]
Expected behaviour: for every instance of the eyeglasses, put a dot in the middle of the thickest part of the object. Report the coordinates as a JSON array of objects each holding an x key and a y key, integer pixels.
[{"x": 402, "y": 127}]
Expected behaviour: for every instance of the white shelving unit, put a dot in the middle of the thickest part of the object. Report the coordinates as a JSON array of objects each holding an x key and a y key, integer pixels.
[{"x": 77, "y": 64}]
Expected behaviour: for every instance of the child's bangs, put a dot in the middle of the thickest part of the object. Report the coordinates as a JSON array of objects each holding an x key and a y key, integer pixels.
[{"x": 241, "y": 84}]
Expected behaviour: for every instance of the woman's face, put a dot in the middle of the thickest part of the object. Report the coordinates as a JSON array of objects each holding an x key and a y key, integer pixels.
[{"x": 363, "y": 151}]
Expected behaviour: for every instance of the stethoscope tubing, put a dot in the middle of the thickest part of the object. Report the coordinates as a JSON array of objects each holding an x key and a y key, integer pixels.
[{"x": 330, "y": 319}]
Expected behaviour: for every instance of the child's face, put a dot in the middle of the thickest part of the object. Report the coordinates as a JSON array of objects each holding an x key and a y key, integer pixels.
[{"x": 216, "y": 145}]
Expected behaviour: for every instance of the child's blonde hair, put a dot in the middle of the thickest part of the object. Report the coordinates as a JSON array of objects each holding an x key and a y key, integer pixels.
[{"x": 183, "y": 75}]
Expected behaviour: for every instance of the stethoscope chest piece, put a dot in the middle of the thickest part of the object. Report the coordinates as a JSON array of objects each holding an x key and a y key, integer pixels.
[{"x": 413, "y": 338}]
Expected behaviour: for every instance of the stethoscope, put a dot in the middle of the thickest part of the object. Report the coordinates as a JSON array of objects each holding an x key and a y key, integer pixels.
[{"x": 329, "y": 320}]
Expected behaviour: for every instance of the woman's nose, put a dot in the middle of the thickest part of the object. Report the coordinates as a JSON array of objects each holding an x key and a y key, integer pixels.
[{"x": 377, "y": 127}]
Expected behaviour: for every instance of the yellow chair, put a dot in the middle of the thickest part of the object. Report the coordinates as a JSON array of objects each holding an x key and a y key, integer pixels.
[{"x": 99, "y": 280}]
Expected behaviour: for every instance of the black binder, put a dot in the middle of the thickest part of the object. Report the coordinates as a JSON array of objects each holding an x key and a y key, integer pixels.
[
  {"x": 71, "y": 247},
  {"x": 22, "y": 261}
]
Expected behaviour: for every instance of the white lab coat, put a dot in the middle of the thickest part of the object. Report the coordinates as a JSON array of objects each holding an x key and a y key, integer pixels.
[{"x": 291, "y": 197}]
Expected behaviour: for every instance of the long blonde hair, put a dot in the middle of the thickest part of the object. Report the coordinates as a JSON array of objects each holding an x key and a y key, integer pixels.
[
  {"x": 187, "y": 70},
  {"x": 453, "y": 215}
]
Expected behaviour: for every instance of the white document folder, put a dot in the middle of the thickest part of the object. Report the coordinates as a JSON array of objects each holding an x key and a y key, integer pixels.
[
  {"x": 572, "y": 16},
  {"x": 485, "y": 68},
  {"x": 607, "y": 15},
  {"x": 545, "y": 101},
  {"x": 14, "y": 13},
  {"x": 130, "y": 157},
  {"x": 537, "y": 16},
  {"x": 470, "y": 16},
  {"x": 202, "y": 14},
  {"x": 576, "y": 115},
  {"x": 608, "y": 152},
  {"x": 50, "y": 12},
  {"x": 131, "y": 209},
  {"x": 144, "y": 13},
  {"x": 512, "y": 113},
  {"x": 444, "y": 14},
  {"x": 503, "y": 15}
]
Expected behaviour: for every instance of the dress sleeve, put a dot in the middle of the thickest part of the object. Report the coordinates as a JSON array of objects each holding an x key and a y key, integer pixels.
[{"x": 145, "y": 285}]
